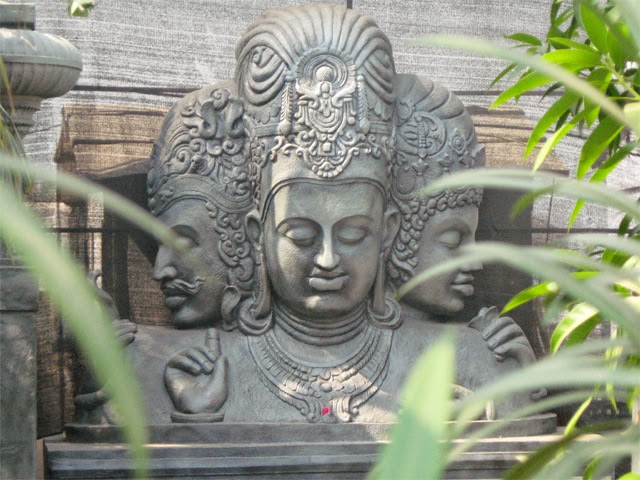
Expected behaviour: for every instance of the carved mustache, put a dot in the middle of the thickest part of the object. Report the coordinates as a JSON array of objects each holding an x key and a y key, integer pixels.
[{"x": 178, "y": 286}]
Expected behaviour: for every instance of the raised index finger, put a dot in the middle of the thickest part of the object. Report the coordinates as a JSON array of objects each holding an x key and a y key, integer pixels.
[{"x": 212, "y": 343}]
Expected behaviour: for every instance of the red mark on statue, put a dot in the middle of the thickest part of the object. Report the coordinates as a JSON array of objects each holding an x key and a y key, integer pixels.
[{"x": 326, "y": 411}]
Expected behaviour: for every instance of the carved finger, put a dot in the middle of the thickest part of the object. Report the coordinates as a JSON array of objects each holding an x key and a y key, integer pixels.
[
  {"x": 212, "y": 343},
  {"x": 520, "y": 350},
  {"x": 496, "y": 325},
  {"x": 485, "y": 317},
  {"x": 506, "y": 334},
  {"x": 217, "y": 389},
  {"x": 126, "y": 338},
  {"x": 181, "y": 362},
  {"x": 197, "y": 355}
]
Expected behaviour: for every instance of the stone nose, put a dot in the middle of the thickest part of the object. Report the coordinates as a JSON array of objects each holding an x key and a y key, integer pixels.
[
  {"x": 327, "y": 258},
  {"x": 163, "y": 268}
]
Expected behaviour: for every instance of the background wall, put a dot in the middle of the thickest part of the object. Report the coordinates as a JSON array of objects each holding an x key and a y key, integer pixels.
[{"x": 146, "y": 54}]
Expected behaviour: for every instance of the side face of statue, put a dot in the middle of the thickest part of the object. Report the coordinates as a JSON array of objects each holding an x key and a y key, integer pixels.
[
  {"x": 442, "y": 237},
  {"x": 199, "y": 186},
  {"x": 435, "y": 138},
  {"x": 192, "y": 290}
]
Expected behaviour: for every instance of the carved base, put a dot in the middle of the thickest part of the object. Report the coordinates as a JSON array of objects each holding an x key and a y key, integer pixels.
[
  {"x": 24, "y": 107},
  {"x": 286, "y": 451}
]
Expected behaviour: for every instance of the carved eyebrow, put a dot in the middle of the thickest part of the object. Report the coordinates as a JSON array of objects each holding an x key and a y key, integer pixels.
[
  {"x": 362, "y": 220},
  {"x": 186, "y": 231},
  {"x": 293, "y": 222}
]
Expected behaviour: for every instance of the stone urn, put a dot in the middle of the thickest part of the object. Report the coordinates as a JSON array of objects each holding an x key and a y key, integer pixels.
[{"x": 37, "y": 66}]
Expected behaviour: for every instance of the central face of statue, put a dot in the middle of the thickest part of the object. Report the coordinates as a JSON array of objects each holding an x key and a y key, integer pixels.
[{"x": 322, "y": 244}]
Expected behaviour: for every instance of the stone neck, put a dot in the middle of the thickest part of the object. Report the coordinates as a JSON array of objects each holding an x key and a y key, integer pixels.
[{"x": 336, "y": 332}]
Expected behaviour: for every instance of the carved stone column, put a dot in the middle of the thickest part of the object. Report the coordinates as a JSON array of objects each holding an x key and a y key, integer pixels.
[{"x": 38, "y": 66}]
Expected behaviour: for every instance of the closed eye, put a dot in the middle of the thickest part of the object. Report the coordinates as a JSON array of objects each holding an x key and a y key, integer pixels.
[
  {"x": 302, "y": 235},
  {"x": 352, "y": 235},
  {"x": 451, "y": 239}
]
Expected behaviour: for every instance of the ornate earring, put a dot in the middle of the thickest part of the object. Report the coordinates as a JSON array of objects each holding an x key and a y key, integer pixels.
[
  {"x": 378, "y": 303},
  {"x": 254, "y": 316},
  {"x": 384, "y": 312}
]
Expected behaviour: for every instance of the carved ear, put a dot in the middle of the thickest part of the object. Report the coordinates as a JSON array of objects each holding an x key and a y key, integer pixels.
[
  {"x": 254, "y": 227},
  {"x": 391, "y": 226}
]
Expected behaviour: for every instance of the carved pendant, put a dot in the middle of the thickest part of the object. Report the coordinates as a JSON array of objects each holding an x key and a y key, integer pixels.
[{"x": 330, "y": 393}]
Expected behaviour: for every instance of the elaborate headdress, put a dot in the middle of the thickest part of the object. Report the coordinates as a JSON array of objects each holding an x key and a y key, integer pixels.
[
  {"x": 200, "y": 154},
  {"x": 435, "y": 137},
  {"x": 317, "y": 83}
]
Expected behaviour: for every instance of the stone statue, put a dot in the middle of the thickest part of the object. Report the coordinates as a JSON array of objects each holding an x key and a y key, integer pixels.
[
  {"x": 306, "y": 329},
  {"x": 436, "y": 137},
  {"x": 199, "y": 186}
]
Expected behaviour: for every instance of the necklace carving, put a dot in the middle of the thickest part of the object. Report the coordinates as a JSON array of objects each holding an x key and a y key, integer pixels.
[{"x": 324, "y": 393}]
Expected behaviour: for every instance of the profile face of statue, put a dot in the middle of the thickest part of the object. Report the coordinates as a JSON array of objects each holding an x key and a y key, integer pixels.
[
  {"x": 192, "y": 294},
  {"x": 444, "y": 233},
  {"x": 322, "y": 244}
]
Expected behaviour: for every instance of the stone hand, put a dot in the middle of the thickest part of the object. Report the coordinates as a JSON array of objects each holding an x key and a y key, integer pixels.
[
  {"x": 503, "y": 335},
  {"x": 196, "y": 378},
  {"x": 125, "y": 331}
]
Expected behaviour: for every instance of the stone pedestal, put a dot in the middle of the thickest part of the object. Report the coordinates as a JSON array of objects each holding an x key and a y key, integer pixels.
[
  {"x": 283, "y": 451},
  {"x": 18, "y": 305}
]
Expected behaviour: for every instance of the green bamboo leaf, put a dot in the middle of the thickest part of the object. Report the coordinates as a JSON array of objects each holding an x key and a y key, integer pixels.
[
  {"x": 602, "y": 173},
  {"x": 601, "y": 137},
  {"x": 601, "y": 79},
  {"x": 114, "y": 202},
  {"x": 573, "y": 60},
  {"x": 546, "y": 265},
  {"x": 578, "y": 322},
  {"x": 540, "y": 290},
  {"x": 622, "y": 46},
  {"x": 618, "y": 46},
  {"x": 80, "y": 8},
  {"x": 418, "y": 448},
  {"x": 566, "y": 42},
  {"x": 630, "y": 476},
  {"x": 528, "y": 82},
  {"x": 632, "y": 111},
  {"x": 571, "y": 367},
  {"x": 525, "y": 180},
  {"x": 547, "y": 404},
  {"x": 571, "y": 424},
  {"x": 551, "y": 89},
  {"x": 524, "y": 38},
  {"x": 577, "y": 454},
  {"x": 551, "y": 116},
  {"x": 66, "y": 285},
  {"x": 553, "y": 140},
  {"x": 631, "y": 14},
  {"x": 502, "y": 74},
  {"x": 612, "y": 242},
  {"x": 591, "y": 469},
  {"x": 571, "y": 82},
  {"x": 593, "y": 24}
]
